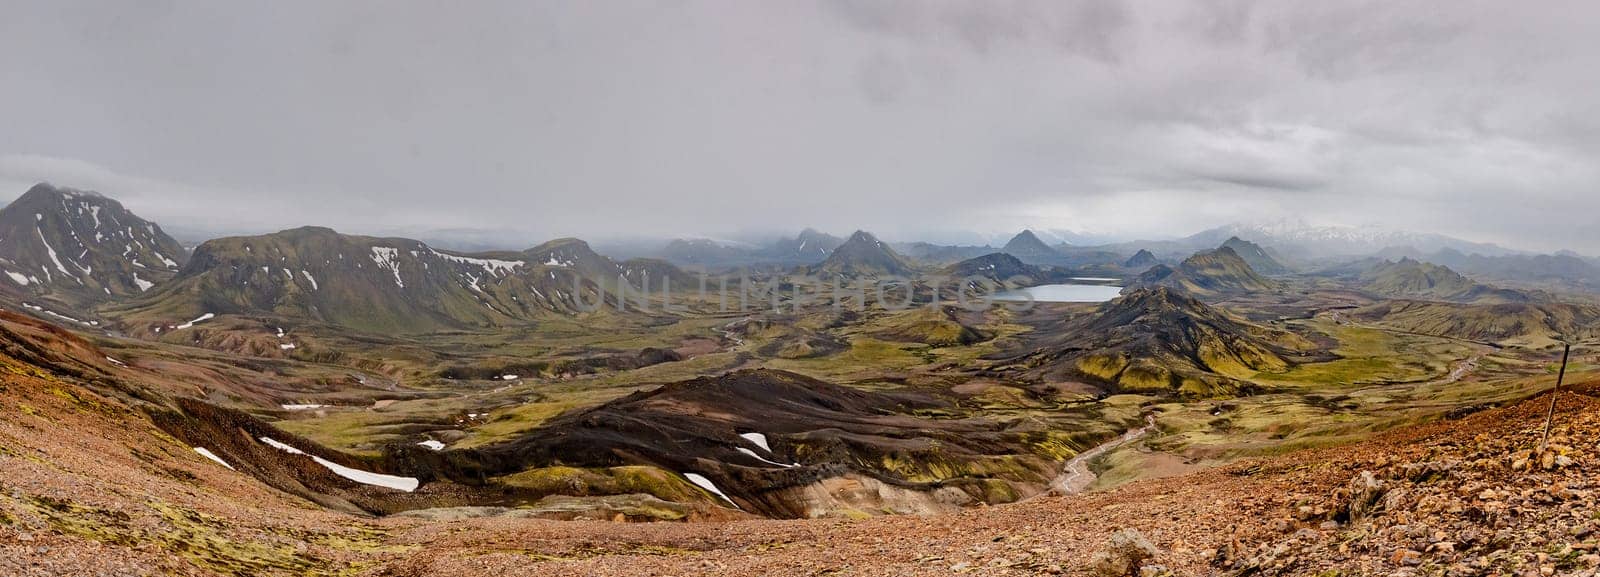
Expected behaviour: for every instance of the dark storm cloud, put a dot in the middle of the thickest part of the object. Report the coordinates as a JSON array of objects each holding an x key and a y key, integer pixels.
[
  {"x": 1259, "y": 180},
  {"x": 1089, "y": 27},
  {"x": 533, "y": 120}
]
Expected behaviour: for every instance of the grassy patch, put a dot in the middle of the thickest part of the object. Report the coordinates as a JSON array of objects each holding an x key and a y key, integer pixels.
[{"x": 1369, "y": 356}]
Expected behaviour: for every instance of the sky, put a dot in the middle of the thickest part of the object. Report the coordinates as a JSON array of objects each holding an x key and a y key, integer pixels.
[{"x": 519, "y": 121}]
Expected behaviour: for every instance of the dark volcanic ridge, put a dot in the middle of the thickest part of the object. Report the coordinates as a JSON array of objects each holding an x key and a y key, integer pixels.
[{"x": 811, "y": 433}]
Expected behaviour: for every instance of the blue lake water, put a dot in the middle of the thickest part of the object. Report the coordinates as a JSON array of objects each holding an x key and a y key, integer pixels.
[{"x": 1062, "y": 293}]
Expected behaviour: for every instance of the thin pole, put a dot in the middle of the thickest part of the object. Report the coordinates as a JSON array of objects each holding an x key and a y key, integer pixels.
[{"x": 1550, "y": 415}]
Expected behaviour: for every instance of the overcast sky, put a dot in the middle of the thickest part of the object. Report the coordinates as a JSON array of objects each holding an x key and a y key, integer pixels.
[{"x": 1150, "y": 118}]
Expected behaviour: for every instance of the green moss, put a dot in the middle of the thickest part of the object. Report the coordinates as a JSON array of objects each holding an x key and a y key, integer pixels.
[
  {"x": 622, "y": 480},
  {"x": 998, "y": 491},
  {"x": 361, "y": 539},
  {"x": 933, "y": 465},
  {"x": 855, "y": 514},
  {"x": 1145, "y": 377},
  {"x": 201, "y": 539},
  {"x": 1054, "y": 445},
  {"x": 65, "y": 395},
  {"x": 1105, "y": 367},
  {"x": 26, "y": 370},
  {"x": 1371, "y": 356}
]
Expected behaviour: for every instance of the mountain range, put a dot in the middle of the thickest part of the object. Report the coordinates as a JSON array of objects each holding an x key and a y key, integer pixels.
[
  {"x": 388, "y": 284},
  {"x": 1272, "y": 249},
  {"x": 807, "y": 248},
  {"x": 66, "y": 251},
  {"x": 1301, "y": 240},
  {"x": 1562, "y": 267}
]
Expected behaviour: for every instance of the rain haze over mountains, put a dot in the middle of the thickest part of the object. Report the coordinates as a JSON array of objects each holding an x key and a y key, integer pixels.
[{"x": 503, "y": 124}]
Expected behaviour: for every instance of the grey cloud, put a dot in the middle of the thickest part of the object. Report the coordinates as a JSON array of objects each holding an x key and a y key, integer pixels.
[
  {"x": 881, "y": 79},
  {"x": 1223, "y": 21},
  {"x": 1259, "y": 180},
  {"x": 1088, "y": 28},
  {"x": 703, "y": 117},
  {"x": 1344, "y": 40}
]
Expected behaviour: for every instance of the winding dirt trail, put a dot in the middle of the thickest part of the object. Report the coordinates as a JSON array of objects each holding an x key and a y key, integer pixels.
[
  {"x": 727, "y": 332},
  {"x": 1075, "y": 476},
  {"x": 1460, "y": 371}
]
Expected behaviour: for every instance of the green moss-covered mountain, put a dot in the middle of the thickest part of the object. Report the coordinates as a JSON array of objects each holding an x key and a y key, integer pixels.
[
  {"x": 81, "y": 246},
  {"x": 387, "y": 284},
  {"x": 1212, "y": 272},
  {"x": 1161, "y": 340}
]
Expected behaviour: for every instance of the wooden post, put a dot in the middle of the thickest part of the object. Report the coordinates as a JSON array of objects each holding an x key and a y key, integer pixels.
[{"x": 1550, "y": 415}]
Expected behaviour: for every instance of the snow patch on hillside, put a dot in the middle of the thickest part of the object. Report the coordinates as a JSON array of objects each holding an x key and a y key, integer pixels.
[
  {"x": 753, "y": 455},
  {"x": 759, "y": 439},
  {"x": 38, "y": 308},
  {"x": 407, "y": 484},
  {"x": 52, "y": 252},
  {"x": 489, "y": 265},
  {"x": 201, "y": 318},
  {"x": 213, "y": 456},
  {"x": 388, "y": 257},
  {"x": 706, "y": 484}
]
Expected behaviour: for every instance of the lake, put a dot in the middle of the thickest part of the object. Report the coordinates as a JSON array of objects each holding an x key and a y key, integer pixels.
[{"x": 1062, "y": 293}]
